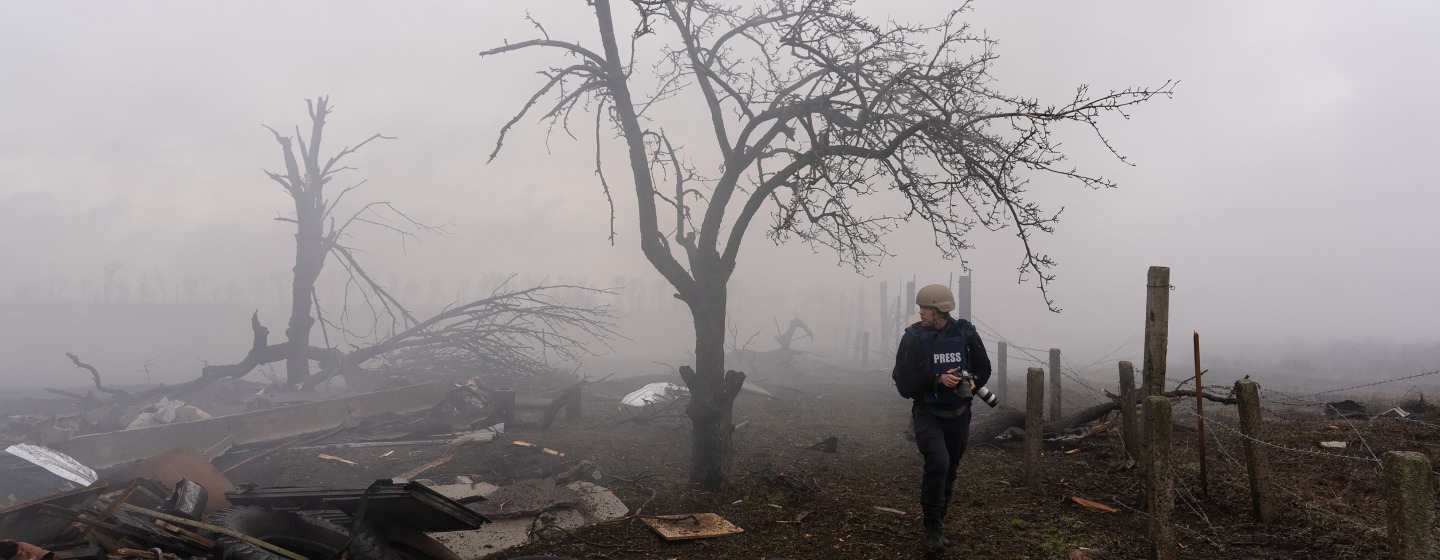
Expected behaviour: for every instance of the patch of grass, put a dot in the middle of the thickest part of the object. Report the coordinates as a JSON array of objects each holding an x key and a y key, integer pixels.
[{"x": 1056, "y": 540}]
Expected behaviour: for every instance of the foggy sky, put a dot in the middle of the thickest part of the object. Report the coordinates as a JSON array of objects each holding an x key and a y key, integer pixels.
[{"x": 1287, "y": 184}]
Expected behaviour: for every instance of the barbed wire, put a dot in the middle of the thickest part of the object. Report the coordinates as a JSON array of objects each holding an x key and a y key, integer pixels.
[
  {"x": 1381, "y": 382},
  {"x": 988, "y": 330},
  {"x": 1293, "y": 400},
  {"x": 1227, "y": 427},
  {"x": 1310, "y": 504},
  {"x": 1276, "y": 414},
  {"x": 1403, "y": 419}
]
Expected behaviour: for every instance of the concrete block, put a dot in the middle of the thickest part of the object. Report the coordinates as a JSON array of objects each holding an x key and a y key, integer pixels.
[{"x": 101, "y": 451}]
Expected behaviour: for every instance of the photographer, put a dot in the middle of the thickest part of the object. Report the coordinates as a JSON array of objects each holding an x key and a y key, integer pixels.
[{"x": 940, "y": 363}]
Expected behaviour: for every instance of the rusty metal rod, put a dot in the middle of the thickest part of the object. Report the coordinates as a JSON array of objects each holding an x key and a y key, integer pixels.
[{"x": 1200, "y": 426}]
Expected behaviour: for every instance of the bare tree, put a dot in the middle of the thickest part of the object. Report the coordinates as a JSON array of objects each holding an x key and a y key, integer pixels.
[
  {"x": 812, "y": 110},
  {"x": 304, "y": 180}
]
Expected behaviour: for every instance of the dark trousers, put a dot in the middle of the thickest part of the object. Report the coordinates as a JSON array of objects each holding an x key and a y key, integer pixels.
[{"x": 941, "y": 442}]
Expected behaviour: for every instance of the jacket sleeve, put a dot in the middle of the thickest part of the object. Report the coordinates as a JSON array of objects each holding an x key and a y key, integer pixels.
[
  {"x": 979, "y": 360},
  {"x": 906, "y": 359}
]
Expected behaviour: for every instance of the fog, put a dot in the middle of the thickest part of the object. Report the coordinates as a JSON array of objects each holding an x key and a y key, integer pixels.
[{"x": 1288, "y": 183}]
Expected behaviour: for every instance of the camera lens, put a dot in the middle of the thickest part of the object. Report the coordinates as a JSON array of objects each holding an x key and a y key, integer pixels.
[{"x": 990, "y": 398}]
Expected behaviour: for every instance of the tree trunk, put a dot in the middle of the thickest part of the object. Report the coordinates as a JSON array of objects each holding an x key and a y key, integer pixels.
[
  {"x": 712, "y": 391},
  {"x": 309, "y": 260}
]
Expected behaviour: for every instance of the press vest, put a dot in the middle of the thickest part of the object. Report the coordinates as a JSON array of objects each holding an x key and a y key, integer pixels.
[{"x": 944, "y": 351}]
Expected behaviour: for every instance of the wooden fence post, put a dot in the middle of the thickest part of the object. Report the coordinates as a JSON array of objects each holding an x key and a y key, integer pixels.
[
  {"x": 1257, "y": 460},
  {"x": 1409, "y": 505},
  {"x": 886, "y": 330},
  {"x": 1160, "y": 478},
  {"x": 1129, "y": 431},
  {"x": 1055, "y": 383},
  {"x": 1157, "y": 328},
  {"x": 1001, "y": 350},
  {"x": 1034, "y": 426},
  {"x": 865, "y": 350}
]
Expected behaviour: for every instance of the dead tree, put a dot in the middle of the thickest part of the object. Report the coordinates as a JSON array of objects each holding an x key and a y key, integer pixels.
[
  {"x": 812, "y": 109},
  {"x": 511, "y": 331},
  {"x": 787, "y": 337},
  {"x": 318, "y": 232},
  {"x": 94, "y": 374}
]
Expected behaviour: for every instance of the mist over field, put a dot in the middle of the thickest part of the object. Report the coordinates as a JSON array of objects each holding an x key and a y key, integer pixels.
[{"x": 1286, "y": 184}]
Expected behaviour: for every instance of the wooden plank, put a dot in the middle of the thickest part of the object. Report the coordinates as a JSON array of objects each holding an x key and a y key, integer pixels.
[{"x": 693, "y": 526}]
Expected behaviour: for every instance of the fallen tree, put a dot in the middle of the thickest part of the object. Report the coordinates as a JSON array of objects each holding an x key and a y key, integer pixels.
[
  {"x": 510, "y": 332},
  {"x": 1004, "y": 417}
]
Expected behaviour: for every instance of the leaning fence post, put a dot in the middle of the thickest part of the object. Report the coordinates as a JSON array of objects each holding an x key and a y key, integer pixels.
[
  {"x": 1409, "y": 507},
  {"x": 1129, "y": 434},
  {"x": 1034, "y": 426},
  {"x": 1160, "y": 478},
  {"x": 1257, "y": 461},
  {"x": 1055, "y": 383}
]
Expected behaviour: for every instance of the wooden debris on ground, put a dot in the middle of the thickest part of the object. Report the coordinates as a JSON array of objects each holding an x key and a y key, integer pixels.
[
  {"x": 334, "y": 458},
  {"x": 412, "y": 473},
  {"x": 538, "y": 448},
  {"x": 692, "y": 526},
  {"x": 1092, "y": 505}
]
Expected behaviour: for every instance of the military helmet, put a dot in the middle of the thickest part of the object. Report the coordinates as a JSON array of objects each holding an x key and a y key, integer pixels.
[{"x": 937, "y": 296}]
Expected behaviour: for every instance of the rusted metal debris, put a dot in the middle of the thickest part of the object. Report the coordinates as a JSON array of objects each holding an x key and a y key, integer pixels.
[{"x": 394, "y": 502}]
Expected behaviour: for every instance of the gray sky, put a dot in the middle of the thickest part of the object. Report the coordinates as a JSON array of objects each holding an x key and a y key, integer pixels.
[{"x": 1287, "y": 184}]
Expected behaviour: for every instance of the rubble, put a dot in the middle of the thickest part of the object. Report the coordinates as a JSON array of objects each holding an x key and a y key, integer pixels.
[
  {"x": 176, "y": 465},
  {"x": 161, "y": 496},
  {"x": 1344, "y": 409},
  {"x": 111, "y": 449},
  {"x": 11, "y": 550},
  {"x": 56, "y": 463},
  {"x": 654, "y": 393},
  {"x": 552, "y": 507},
  {"x": 164, "y": 411},
  {"x": 1396, "y": 412}
]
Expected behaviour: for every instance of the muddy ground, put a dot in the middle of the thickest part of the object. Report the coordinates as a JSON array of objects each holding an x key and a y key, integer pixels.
[{"x": 795, "y": 502}]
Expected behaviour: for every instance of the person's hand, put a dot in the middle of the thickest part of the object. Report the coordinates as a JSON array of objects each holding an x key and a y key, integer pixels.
[{"x": 949, "y": 379}]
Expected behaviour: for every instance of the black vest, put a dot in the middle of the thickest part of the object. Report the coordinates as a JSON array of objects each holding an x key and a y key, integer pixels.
[{"x": 943, "y": 351}]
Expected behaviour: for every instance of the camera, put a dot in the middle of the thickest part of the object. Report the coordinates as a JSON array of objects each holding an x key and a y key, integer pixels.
[{"x": 984, "y": 394}]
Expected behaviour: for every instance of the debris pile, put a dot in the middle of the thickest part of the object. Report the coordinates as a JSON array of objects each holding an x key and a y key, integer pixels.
[{"x": 175, "y": 503}]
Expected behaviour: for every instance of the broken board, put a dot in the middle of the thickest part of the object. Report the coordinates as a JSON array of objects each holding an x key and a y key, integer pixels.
[{"x": 695, "y": 526}]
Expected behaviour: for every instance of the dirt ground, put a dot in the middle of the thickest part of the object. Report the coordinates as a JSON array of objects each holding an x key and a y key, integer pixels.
[{"x": 862, "y": 501}]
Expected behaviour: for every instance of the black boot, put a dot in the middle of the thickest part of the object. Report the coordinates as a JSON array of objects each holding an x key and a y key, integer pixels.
[
  {"x": 934, "y": 538},
  {"x": 944, "y": 541}
]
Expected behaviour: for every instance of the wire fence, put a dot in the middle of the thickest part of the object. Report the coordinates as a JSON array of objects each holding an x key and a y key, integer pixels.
[{"x": 1323, "y": 488}]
